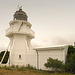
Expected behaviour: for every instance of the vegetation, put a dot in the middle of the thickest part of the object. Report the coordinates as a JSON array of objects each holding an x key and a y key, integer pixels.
[
  {"x": 7, "y": 71},
  {"x": 71, "y": 50},
  {"x": 21, "y": 68},
  {"x": 5, "y": 58},
  {"x": 57, "y": 65},
  {"x": 54, "y": 64},
  {"x": 28, "y": 67},
  {"x": 70, "y": 61}
]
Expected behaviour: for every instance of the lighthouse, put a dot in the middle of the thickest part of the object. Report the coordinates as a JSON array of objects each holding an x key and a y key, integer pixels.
[
  {"x": 20, "y": 35},
  {"x": 20, "y": 48}
]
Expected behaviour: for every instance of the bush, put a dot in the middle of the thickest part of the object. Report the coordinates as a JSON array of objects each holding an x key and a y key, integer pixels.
[
  {"x": 5, "y": 58},
  {"x": 30, "y": 67},
  {"x": 25, "y": 67},
  {"x": 6, "y": 67},
  {"x": 70, "y": 60},
  {"x": 21, "y": 68},
  {"x": 55, "y": 64},
  {"x": 70, "y": 66}
]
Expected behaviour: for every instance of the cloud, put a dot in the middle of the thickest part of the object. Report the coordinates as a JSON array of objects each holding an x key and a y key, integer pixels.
[
  {"x": 60, "y": 41},
  {"x": 36, "y": 43},
  {"x": 53, "y": 41}
]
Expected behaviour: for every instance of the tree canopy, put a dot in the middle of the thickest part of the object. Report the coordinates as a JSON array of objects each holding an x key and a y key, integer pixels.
[
  {"x": 55, "y": 64},
  {"x": 69, "y": 66},
  {"x": 5, "y": 58}
]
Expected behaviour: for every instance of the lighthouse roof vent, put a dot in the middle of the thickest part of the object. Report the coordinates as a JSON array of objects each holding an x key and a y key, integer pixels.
[{"x": 20, "y": 15}]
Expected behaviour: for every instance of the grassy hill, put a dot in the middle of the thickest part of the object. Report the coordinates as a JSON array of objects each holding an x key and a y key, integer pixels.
[{"x": 29, "y": 72}]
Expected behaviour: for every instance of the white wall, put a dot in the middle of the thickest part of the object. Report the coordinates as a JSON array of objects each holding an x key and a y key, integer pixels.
[
  {"x": 24, "y": 29},
  {"x": 20, "y": 34},
  {"x": 43, "y": 55},
  {"x": 18, "y": 47},
  {"x": 31, "y": 58}
]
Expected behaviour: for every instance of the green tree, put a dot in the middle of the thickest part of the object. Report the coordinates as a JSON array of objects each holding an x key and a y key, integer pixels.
[
  {"x": 5, "y": 58},
  {"x": 70, "y": 60},
  {"x": 70, "y": 66},
  {"x": 55, "y": 64},
  {"x": 71, "y": 50}
]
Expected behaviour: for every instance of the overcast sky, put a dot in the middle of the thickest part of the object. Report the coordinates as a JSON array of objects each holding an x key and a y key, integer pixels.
[{"x": 52, "y": 20}]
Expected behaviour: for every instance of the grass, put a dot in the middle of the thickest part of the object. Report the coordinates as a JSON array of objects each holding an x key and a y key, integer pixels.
[{"x": 29, "y": 70}]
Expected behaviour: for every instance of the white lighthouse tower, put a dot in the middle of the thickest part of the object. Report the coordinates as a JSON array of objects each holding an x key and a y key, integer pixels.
[{"x": 20, "y": 35}]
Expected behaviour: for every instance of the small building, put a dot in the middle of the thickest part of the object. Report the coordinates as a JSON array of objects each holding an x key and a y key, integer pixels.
[{"x": 57, "y": 52}]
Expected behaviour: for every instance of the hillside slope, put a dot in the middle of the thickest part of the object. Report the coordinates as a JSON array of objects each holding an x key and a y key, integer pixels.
[{"x": 28, "y": 72}]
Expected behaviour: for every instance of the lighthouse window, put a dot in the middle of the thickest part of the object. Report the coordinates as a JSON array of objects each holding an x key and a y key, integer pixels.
[{"x": 19, "y": 56}]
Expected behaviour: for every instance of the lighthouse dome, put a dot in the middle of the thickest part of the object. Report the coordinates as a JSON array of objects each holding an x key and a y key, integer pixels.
[{"x": 20, "y": 15}]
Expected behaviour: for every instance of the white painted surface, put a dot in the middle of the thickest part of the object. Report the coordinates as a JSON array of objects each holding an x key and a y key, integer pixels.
[
  {"x": 25, "y": 28},
  {"x": 20, "y": 35},
  {"x": 53, "y": 52}
]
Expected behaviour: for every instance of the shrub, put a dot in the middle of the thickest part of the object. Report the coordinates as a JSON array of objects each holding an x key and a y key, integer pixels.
[
  {"x": 21, "y": 68},
  {"x": 6, "y": 67},
  {"x": 70, "y": 66},
  {"x": 54, "y": 64},
  {"x": 30, "y": 67},
  {"x": 25, "y": 67},
  {"x": 5, "y": 58},
  {"x": 70, "y": 60}
]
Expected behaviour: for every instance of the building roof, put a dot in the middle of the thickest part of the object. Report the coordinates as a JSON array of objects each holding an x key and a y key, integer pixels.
[
  {"x": 20, "y": 15},
  {"x": 61, "y": 47}
]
